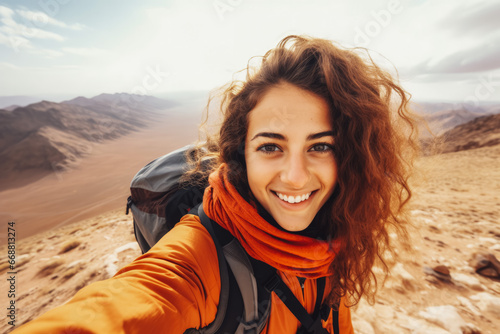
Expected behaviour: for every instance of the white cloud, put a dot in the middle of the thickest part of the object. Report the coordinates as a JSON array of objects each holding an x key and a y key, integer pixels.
[
  {"x": 6, "y": 11},
  {"x": 12, "y": 28},
  {"x": 41, "y": 19},
  {"x": 14, "y": 42},
  {"x": 19, "y": 29},
  {"x": 18, "y": 36}
]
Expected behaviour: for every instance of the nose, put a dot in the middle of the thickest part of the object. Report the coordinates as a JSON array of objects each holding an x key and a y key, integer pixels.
[{"x": 295, "y": 171}]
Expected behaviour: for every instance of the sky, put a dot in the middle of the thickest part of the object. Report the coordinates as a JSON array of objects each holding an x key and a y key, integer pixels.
[{"x": 446, "y": 50}]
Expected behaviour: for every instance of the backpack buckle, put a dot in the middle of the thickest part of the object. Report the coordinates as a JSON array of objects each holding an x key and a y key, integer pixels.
[
  {"x": 272, "y": 283},
  {"x": 129, "y": 204}
]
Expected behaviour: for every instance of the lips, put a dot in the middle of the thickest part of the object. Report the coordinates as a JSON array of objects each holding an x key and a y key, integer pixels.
[{"x": 292, "y": 199}]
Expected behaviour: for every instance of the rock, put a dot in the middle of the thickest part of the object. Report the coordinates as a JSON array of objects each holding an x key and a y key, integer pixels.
[
  {"x": 485, "y": 264},
  {"x": 437, "y": 274},
  {"x": 495, "y": 247},
  {"x": 489, "y": 272},
  {"x": 445, "y": 316},
  {"x": 487, "y": 303},
  {"x": 467, "y": 280},
  {"x": 443, "y": 270}
]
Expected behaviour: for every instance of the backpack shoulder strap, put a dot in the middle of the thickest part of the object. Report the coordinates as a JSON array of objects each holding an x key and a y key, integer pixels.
[
  {"x": 255, "y": 311},
  {"x": 244, "y": 314},
  {"x": 215, "y": 326},
  {"x": 309, "y": 324},
  {"x": 270, "y": 281}
]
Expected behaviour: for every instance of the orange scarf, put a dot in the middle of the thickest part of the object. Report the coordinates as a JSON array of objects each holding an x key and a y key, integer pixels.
[{"x": 299, "y": 255}]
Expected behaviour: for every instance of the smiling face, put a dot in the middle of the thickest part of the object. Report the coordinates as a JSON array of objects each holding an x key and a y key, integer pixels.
[{"x": 291, "y": 168}]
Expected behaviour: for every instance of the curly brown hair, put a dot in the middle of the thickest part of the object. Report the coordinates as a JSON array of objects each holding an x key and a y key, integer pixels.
[{"x": 375, "y": 143}]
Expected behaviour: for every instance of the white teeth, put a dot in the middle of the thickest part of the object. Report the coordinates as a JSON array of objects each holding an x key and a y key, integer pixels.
[{"x": 293, "y": 199}]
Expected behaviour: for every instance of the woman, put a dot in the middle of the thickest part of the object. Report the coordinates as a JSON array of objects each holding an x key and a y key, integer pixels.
[{"x": 311, "y": 173}]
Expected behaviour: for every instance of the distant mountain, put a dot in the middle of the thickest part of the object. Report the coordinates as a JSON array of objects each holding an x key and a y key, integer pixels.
[
  {"x": 442, "y": 117},
  {"x": 121, "y": 101},
  {"x": 48, "y": 136},
  {"x": 19, "y": 100},
  {"x": 11, "y": 107},
  {"x": 480, "y": 132}
]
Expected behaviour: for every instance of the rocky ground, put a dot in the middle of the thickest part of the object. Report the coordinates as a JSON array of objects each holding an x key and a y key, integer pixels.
[
  {"x": 53, "y": 266},
  {"x": 455, "y": 211}
]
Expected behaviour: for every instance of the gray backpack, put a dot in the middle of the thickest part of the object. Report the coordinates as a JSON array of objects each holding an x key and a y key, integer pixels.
[{"x": 159, "y": 199}]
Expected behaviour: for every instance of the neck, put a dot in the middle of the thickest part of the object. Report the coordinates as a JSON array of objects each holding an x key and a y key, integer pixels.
[{"x": 311, "y": 231}]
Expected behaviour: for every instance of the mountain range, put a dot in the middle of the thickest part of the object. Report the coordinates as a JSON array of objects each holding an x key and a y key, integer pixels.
[
  {"x": 480, "y": 132},
  {"x": 48, "y": 136},
  {"x": 441, "y": 117}
]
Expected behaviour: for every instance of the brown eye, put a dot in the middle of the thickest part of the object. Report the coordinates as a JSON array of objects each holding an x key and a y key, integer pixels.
[
  {"x": 322, "y": 147},
  {"x": 268, "y": 148}
]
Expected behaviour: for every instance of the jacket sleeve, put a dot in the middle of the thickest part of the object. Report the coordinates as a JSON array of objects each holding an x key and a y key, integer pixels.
[{"x": 173, "y": 287}]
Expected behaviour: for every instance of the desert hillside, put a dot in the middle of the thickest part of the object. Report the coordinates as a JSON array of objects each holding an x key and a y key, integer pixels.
[
  {"x": 481, "y": 131},
  {"x": 442, "y": 117},
  {"x": 47, "y": 137}
]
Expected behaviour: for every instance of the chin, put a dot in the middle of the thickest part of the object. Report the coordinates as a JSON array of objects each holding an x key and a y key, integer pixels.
[{"x": 291, "y": 226}]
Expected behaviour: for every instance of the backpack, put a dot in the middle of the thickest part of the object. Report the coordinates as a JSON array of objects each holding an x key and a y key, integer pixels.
[{"x": 159, "y": 199}]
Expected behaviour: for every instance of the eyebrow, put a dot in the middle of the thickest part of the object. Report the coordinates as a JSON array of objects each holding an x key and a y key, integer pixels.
[{"x": 274, "y": 135}]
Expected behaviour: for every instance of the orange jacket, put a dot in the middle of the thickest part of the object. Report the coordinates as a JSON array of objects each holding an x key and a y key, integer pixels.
[{"x": 173, "y": 287}]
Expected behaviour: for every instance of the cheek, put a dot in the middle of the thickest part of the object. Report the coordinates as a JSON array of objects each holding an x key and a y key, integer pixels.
[
  {"x": 253, "y": 171},
  {"x": 329, "y": 174}
]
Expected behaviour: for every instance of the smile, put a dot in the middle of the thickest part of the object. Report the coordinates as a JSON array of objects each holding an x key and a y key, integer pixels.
[{"x": 293, "y": 199}]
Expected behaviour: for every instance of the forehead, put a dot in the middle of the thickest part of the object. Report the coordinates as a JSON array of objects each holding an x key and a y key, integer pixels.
[{"x": 288, "y": 108}]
